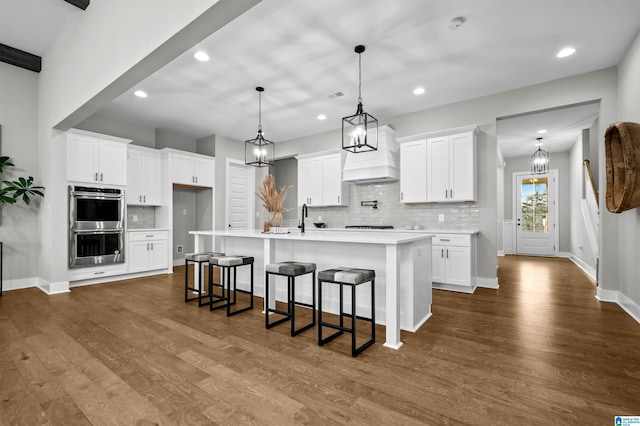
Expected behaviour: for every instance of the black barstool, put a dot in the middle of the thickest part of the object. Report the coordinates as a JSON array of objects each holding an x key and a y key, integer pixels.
[
  {"x": 227, "y": 264},
  {"x": 198, "y": 259},
  {"x": 291, "y": 270},
  {"x": 349, "y": 277}
]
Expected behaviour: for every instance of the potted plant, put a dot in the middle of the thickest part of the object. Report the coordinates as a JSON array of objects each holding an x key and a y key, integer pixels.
[
  {"x": 273, "y": 199},
  {"x": 12, "y": 191}
]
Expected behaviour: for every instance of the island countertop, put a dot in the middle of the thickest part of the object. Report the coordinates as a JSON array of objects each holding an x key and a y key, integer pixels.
[
  {"x": 401, "y": 260},
  {"x": 315, "y": 235}
]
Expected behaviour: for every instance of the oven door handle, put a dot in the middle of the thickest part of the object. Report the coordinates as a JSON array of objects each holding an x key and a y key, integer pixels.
[
  {"x": 96, "y": 196},
  {"x": 98, "y": 231}
]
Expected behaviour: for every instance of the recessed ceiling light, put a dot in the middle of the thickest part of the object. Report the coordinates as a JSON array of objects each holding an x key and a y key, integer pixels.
[
  {"x": 201, "y": 56},
  {"x": 456, "y": 23},
  {"x": 541, "y": 131},
  {"x": 418, "y": 91},
  {"x": 140, "y": 94},
  {"x": 322, "y": 117},
  {"x": 567, "y": 51}
]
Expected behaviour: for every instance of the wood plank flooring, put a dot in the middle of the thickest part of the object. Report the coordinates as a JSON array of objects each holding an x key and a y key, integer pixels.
[{"x": 540, "y": 350}]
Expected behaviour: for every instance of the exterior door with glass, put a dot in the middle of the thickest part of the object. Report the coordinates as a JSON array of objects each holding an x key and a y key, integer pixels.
[{"x": 535, "y": 213}]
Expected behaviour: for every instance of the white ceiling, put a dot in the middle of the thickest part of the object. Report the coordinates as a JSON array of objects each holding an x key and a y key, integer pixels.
[{"x": 301, "y": 51}]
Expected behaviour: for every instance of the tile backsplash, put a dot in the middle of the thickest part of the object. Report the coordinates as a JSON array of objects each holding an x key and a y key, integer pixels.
[
  {"x": 391, "y": 211},
  {"x": 145, "y": 217}
]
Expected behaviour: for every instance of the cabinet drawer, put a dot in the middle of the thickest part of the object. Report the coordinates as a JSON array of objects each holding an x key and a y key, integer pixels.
[
  {"x": 147, "y": 236},
  {"x": 97, "y": 272},
  {"x": 452, "y": 240}
]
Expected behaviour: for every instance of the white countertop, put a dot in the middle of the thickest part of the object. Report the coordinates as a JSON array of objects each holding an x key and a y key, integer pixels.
[
  {"x": 345, "y": 236},
  {"x": 398, "y": 230}
]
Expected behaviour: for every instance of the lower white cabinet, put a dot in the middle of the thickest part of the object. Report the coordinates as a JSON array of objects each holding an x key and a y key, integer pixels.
[
  {"x": 148, "y": 250},
  {"x": 453, "y": 259}
]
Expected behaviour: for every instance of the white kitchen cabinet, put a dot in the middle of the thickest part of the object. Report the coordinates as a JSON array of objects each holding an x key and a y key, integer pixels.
[
  {"x": 320, "y": 180},
  {"x": 413, "y": 171},
  {"x": 143, "y": 176},
  {"x": 96, "y": 158},
  {"x": 148, "y": 250},
  {"x": 192, "y": 169},
  {"x": 453, "y": 260},
  {"x": 451, "y": 167}
]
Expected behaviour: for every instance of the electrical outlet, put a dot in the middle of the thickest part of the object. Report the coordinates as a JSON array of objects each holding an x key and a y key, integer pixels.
[
  {"x": 440, "y": 217},
  {"x": 419, "y": 252},
  {"x": 179, "y": 249},
  {"x": 134, "y": 217},
  {"x": 184, "y": 212}
]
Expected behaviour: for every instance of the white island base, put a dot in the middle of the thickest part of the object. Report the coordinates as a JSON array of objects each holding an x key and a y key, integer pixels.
[{"x": 402, "y": 263}]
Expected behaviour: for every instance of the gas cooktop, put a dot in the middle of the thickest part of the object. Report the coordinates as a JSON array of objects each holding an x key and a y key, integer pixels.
[{"x": 369, "y": 226}]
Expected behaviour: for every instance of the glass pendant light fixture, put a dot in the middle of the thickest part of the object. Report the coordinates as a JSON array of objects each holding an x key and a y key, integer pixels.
[
  {"x": 540, "y": 160},
  {"x": 360, "y": 131},
  {"x": 259, "y": 152}
]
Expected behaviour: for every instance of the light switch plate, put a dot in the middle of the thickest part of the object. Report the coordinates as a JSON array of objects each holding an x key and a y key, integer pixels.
[
  {"x": 440, "y": 217},
  {"x": 135, "y": 217}
]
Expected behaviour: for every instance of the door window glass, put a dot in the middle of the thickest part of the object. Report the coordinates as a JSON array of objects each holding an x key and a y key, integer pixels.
[{"x": 535, "y": 204}]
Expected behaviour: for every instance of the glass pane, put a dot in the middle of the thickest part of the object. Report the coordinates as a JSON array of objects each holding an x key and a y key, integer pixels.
[{"x": 535, "y": 204}]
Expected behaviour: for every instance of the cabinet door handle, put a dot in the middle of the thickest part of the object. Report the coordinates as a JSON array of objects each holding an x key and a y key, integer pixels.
[
  {"x": 442, "y": 253},
  {"x": 401, "y": 196},
  {"x": 196, "y": 179},
  {"x": 444, "y": 239},
  {"x": 447, "y": 253},
  {"x": 140, "y": 198},
  {"x": 96, "y": 179},
  {"x": 98, "y": 273},
  {"x": 101, "y": 177},
  {"x": 446, "y": 193},
  {"x": 338, "y": 199},
  {"x": 147, "y": 246},
  {"x": 451, "y": 193},
  {"x": 152, "y": 246},
  {"x": 144, "y": 198}
]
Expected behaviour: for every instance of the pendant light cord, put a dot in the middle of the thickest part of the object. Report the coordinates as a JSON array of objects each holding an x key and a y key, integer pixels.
[
  {"x": 259, "y": 111},
  {"x": 359, "y": 78}
]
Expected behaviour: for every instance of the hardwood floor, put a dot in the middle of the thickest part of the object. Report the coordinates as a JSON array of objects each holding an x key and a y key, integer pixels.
[{"x": 540, "y": 350}]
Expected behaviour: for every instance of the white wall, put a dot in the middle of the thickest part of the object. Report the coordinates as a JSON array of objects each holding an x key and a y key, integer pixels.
[
  {"x": 622, "y": 230},
  {"x": 19, "y": 224},
  {"x": 580, "y": 246},
  {"x": 129, "y": 41}
]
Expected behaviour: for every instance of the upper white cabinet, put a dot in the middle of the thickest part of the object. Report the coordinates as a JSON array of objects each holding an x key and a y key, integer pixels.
[
  {"x": 320, "y": 180},
  {"x": 451, "y": 167},
  {"x": 439, "y": 166},
  {"x": 96, "y": 158},
  {"x": 192, "y": 169},
  {"x": 413, "y": 171},
  {"x": 143, "y": 176}
]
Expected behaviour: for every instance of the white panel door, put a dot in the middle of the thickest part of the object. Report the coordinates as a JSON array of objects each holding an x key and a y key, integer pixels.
[
  {"x": 82, "y": 159},
  {"x": 458, "y": 265},
  {"x": 138, "y": 256},
  {"x": 437, "y": 264},
  {"x": 183, "y": 169},
  {"x": 238, "y": 213},
  {"x": 203, "y": 171},
  {"x": 158, "y": 250},
  {"x": 331, "y": 180},
  {"x": 535, "y": 201}
]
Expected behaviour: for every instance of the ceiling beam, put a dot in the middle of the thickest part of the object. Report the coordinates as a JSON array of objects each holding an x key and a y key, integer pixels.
[
  {"x": 82, "y": 4},
  {"x": 20, "y": 58}
]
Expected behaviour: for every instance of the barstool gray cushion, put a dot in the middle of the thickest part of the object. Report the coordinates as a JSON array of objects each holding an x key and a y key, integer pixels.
[
  {"x": 290, "y": 269},
  {"x": 231, "y": 260},
  {"x": 347, "y": 275},
  {"x": 197, "y": 257}
]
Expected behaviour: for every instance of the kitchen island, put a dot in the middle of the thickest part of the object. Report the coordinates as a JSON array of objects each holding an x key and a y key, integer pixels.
[{"x": 402, "y": 263}]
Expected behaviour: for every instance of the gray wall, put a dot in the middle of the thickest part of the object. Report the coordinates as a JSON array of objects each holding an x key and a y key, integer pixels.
[
  {"x": 19, "y": 224},
  {"x": 621, "y": 232},
  {"x": 286, "y": 173},
  {"x": 184, "y": 220},
  {"x": 557, "y": 161},
  {"x": 138, "y": 133},
  {"x": 169, "y": 139}
]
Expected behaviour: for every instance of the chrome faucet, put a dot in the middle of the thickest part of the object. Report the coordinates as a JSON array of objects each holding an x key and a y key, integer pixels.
[{"x": 304, "y": 214}]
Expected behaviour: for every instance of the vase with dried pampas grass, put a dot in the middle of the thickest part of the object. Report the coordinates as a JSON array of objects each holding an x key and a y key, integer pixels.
[{"x": 273, "y": 199}]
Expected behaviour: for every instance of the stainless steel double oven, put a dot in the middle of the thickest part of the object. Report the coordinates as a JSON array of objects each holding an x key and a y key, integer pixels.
[{"x": 96, "y": 226}]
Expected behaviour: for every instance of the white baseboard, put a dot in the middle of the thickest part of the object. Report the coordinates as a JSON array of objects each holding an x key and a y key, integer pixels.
[
  {"x": 586, "y": 268},
  {"x": 421, "y": 323},
  {"x": 453, "y": 287},
  {"x": 20, "y": 283},
  {"x": 626, "y": 304},
  {"x": 501, "y": 253},
  {"x": 53, "y": 288},
  {"x": 487, "y": 283},
  {"x": 178, "y": 262}
]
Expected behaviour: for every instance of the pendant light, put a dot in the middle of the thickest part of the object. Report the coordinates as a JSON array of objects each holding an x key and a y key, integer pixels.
[
  {"x": 259, "y": 152},
  {"x": 540, "y": 160},
  {"x": 360, "y": 131}
]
